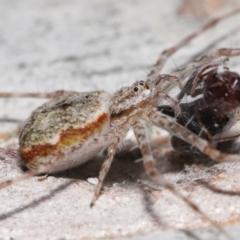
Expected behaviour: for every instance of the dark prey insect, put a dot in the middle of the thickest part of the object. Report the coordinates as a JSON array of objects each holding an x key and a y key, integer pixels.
[{"x": 215, "y": 112}]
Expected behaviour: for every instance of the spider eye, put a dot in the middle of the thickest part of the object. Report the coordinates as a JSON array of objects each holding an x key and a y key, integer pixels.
[
  {"x": 135, "y": 89},
  {"x": 86, "y": 96},
  {"x": 141, "y": 83}
]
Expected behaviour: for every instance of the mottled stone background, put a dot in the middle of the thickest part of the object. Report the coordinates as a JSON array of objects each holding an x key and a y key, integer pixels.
[{"x": 102, "y": 45}]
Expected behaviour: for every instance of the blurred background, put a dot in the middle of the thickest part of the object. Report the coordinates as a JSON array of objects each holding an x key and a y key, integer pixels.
[{"x": 91, "y": 45}]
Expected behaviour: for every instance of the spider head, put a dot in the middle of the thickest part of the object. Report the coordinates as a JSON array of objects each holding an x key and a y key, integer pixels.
[{"x": 128, "y": 97}]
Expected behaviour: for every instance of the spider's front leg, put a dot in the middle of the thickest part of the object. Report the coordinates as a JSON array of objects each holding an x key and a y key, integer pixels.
[
  {"x": 164, "y": 56},
  {"x": 104, "y": 169},
  {"x": 149, "y": 165},
  {"x": 169, "y": 124}
]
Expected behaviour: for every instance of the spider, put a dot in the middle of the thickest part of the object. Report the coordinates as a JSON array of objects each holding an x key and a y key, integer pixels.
[{"x": 72, "y": 127}]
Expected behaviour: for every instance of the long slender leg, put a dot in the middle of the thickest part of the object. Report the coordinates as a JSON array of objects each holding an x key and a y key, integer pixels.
[
  {"x": 213, "y": 44},
  {"x": 165, "y": 96},
  {"x": 202, "y": 67},
  {"x": 222, "y": 52},
  {"x": 9, "y": 153},
  {"x": 104, "y": 169},
  {"x": 206, "y": 63},
  {"x": 169, "y": 52},
  {"x": 170, "y": 125},
  {"x": 148, "y": 161},
  {"x": 197, "y": 70},
  {"x": 228, "y": 138},
  {"x": 226, "y": 52},
  {"x": 165, "y": 78},
  {"x": 36, "y": 95}
]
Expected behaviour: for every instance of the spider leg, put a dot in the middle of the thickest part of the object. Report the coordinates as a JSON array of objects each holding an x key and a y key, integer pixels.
[
  {"x": 148, "y": 161},
  {"x": 36, "y": 95},
  {"x": 170, "y": 125},
  {"x": 9, "y": 153},
  {"x": 170, "y": 78},
  {"x": 157, "y": 83},
  {"x": 155, "y": 70},
  {"x": 225, "y": 52},
  {"x": 204, "y": 65},
  {"x": 173, "y": 102},
  {"x": 200, "y": 67},
  {"x": 222, "y": 52},
  {"x": 228, "y": 138},
  {"x": 104, "y": 169}
]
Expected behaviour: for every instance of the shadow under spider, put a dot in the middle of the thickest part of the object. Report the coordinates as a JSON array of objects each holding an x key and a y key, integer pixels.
[
  {"x": 123, "y": 168},
  {"x": 126, "y": 167}
]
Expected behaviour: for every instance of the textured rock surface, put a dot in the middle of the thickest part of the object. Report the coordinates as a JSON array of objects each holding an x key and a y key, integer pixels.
[{"x": 91, "y": 45}]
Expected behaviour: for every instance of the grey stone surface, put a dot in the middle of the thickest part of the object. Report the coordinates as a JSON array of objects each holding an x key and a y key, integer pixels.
[
  {"x": 205, "y": 234},
  {"x": 90, "y": 45}
]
